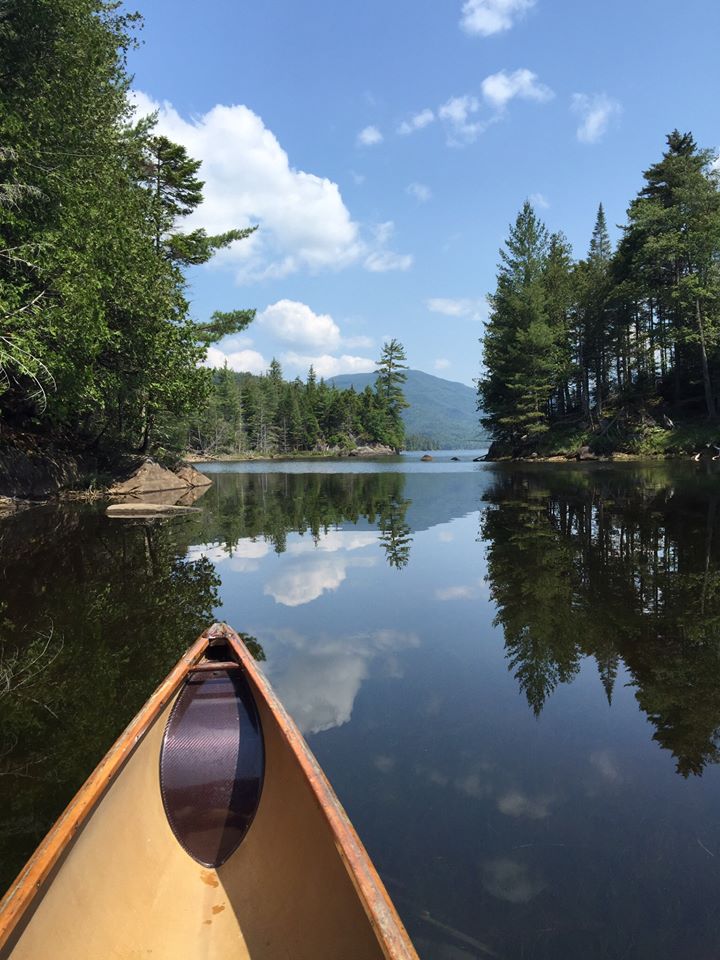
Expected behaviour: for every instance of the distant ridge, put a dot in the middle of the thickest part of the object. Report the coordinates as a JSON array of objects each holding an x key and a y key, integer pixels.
[{"x": 442, "y": 413}]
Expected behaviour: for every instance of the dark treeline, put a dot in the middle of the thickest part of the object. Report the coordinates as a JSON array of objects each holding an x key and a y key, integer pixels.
[
  {"x": 618, "y": 567},
  {"x": 269, "y": 415},
  {"x": 82, "y": 642},
  {"x": 636, "y": 328}
]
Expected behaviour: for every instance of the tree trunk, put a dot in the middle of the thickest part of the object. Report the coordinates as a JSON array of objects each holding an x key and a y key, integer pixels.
[{"x": 709, "y": 399}]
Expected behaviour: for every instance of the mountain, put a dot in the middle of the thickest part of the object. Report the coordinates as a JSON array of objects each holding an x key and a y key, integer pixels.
[{"x": 442, "y": 413}]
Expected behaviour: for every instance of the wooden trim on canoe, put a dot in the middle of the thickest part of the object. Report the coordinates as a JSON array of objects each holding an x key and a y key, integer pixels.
[
  {"x": 20, "y": 895},
  {"x": 391, "y": 934}
]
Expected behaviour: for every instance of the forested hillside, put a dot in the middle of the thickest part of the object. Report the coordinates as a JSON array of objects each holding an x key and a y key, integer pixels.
[
  {"x": 440, "y": 413},
  {"x": 615, "y": 348},
  {"x": 268, "y": 415}
]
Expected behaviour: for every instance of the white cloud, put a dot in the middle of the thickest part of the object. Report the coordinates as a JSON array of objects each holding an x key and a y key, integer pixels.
[
  {"x": 297, "y": 323},
  {"x": 381, "y": 260},
  {"x": 500, "y": 88},
  {"x": 243, "y": 361},
  {"x": 303, "y": 221},
  {"x": 301, "y": 583},
  {"x": 327, "y": 365},
  {"x": 369, "y": 136},
  {"x": 462, "y": 591},
  {"x": 456, "y": 112},
  {"x": 318, "y": 678},
  {"x": 456, "y": 593},
  {"x": 517, "y": 804},
  {"x": 539, "y": 200},
  {"x": 358, "y": 178},
  {"x": 486, "y": 17},
  {"x": 511, "y": 880},
  {"x": 420, "y": 191},
  {"x": 417, "y": 122},
  {"x": 596, "y": 111},
  {"x": 333, "y": 541},
  {"x": 462, "y": 307},
  {"x": 442, "y": 364}
]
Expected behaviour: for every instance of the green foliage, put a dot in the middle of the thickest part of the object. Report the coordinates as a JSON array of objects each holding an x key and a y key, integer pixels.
[
  {"x": 618, "y": 331},
  {"x": 618, "y": 567},
  {"x": 391, "y": 377},
  {"x": 268, "y": 415},
  {"x": 96, "y": 343}
]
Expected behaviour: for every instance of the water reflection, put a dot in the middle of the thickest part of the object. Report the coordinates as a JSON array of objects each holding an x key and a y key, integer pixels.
[
  {"x": 92, "y": 616},
  {"x": 621, "y": 567},
  {"x": 248, "y": 506},
  {"x": 512, "y": 812}
]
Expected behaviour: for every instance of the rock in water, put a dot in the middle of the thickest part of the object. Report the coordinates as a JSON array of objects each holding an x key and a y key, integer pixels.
[
  {"x": 191, "y": 476},
  {"x": 148, "y": 478}
]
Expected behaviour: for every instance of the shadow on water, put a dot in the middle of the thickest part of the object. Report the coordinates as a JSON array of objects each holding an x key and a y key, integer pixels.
[{"x": 620, "y": 566}]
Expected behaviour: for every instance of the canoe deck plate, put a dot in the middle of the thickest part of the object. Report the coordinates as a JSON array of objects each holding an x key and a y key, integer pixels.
[{"x": 212, "y": 763}]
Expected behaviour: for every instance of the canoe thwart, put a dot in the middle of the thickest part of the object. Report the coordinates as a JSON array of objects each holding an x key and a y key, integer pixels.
[
  {"x": 208, "y": 665},
  {"x": 212, "y": 762}
]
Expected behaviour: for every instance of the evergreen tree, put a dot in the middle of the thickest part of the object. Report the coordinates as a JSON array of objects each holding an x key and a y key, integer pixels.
[
  {"x": 391, "y": 376},
  {"x": 674, "y": 232},
  {"x": 520, "y": 353}
]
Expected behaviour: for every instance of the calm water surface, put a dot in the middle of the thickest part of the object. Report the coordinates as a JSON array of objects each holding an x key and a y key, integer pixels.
[{"x": 510, "y": 674}]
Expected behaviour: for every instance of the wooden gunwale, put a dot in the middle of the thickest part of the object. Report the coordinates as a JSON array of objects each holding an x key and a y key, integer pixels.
[
  {"x": 22, "y": 892},
  {"x": 376, "y": 903}
]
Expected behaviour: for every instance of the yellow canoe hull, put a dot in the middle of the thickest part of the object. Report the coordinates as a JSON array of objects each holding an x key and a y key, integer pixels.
[{"x": 111, "y": 882}]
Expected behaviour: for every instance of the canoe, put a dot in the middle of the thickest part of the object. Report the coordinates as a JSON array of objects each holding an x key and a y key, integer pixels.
[{"x": 208, "y": 831}]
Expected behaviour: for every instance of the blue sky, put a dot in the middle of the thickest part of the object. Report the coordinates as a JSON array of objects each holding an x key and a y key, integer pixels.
[{"x": 384, "y": 147}]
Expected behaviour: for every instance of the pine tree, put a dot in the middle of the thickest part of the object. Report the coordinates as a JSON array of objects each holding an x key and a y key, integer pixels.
[
  {"x": 674, "y": 233},
  {"x": 520, "y": 352},
  {"x": 391, "y": 376}
]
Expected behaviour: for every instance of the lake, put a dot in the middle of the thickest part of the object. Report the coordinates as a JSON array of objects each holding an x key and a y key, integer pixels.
[{"x": 510, "y": 674}]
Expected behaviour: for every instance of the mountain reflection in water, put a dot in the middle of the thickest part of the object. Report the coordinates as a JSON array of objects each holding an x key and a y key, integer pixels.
[{"x": 502, "y": 670}]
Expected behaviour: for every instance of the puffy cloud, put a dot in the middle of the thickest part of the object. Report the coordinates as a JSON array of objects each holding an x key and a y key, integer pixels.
[
  {"x": 327, "y": 365},
  {"x": 456, "y": 113},
  {"x": 486, "y": 17},
  {"x": 244, "y": 556},
  {"x": 596, "y": 111},
  {"x": 441, "y": 363},
  {"x": 243, "y": 361},
  {"x": 417, "y": 122},
  {"x": 502, "y": 87},
  {"x": 382, "y": 260},
  {"x": 297, "y": 323},
  {"x": 299, "y": 584},
  {"x": 335, "y": 540},
  {"x": 420, "y": 191},
  {"x": 318, "y": 678},
  {"x": 304, "y": 223},
  {"x": 450, "y": 307},
  {"x": 369, "y": 136}
]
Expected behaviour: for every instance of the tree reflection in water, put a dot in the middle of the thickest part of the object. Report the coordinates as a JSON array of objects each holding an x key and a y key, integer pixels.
[{"x": 615, "y": 566}]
